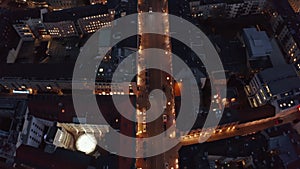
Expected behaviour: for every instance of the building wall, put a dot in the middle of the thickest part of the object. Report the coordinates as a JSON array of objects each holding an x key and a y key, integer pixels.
[
  {"x": 259, "y": 92},
  {"x": 62, "y": 4},
  {"x": 6, "y": 32},
  {"x": 24, "y": 32},
  {"x": 92, "y": 2},
  {"x": 91, "y": 24},
  {"x": 61, "y": 29},
  {"x": 225, "y": 9},
  {"x": 285, "y": 39},
  {"x": 85, "y": 25},
  {"x": 35, "y": 132},
  {"x": 64, "y": 139}
]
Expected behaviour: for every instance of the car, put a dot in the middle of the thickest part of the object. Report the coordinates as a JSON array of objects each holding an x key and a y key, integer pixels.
[
  {"x": 165, "y": 118},
  {"x": 150, "y": 10}
]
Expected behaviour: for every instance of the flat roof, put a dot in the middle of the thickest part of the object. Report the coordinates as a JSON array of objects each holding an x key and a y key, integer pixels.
[
  {"x": 280, "y": 79},
  {"x": 257, "y": 42},
  {"x": 284, "y": 85},
  {"x": 42, "y": 71},
  {"x": 277, "y": 73},
  {"x": 284, "y": 145},
  {"x": 74, "y": 14}
]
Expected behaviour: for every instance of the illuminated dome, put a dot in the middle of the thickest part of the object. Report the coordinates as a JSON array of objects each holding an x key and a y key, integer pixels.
[{"x": 86, "y": 143}]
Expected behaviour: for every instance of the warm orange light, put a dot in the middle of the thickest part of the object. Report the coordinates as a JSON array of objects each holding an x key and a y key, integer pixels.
[
  {"x": 233, "y": 99},
  {"x": 178, "y": 88}
]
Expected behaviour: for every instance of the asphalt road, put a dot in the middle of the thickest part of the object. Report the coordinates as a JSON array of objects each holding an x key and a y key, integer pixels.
[
  {"x": 242, "y": 129},
  {"x": 156, "y": 79}
]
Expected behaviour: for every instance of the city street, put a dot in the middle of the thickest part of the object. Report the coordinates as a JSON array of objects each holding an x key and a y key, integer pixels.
[
  {"x": 226, "y": 131},
  {"x": 156, "y": 79}
]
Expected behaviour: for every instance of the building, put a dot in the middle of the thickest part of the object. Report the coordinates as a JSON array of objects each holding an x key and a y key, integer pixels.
[
  {"x": 258, "y": 48},
  {"x": 222, "y": 162},
  {"x": 9, "y": 37},
  {"x": 37, "y": 4},
  {"x": 61, "y": 158},
  {"x": 46, "y": 107},
  {"x": 257, "y": 43},
  {"x": 29, "y": 81},
  {"x": 226, "y": 9},
  {"x": 287, "y": 41},
  {"x": 295, "y": 4},
  {"x": 282, "y": 147},
  {"x": 34, "y": 130},
  {"x": 65, "y": 4},
  {"x": 61, "y": 29},
  {"x": 93, "y": 2},
  {"x": 77, "y": 21},
  {"x": 12, "y": 114},
  {"x": 247, "y": 7},
  {"x": 91, "y": 24},
  {"x": 274, "y": 85},
  {"x": 81, "y": 137},
  {"x": 62, "y": 138},
  {"x": 24, "y": 32}
]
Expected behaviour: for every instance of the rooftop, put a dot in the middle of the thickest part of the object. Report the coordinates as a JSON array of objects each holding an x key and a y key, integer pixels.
[
  {"x": 46, "y": 71},
  {"x": 13, "y": 110},
  {"x": 74, "y": 14},
  {"x": 277, "y": 73},
  {"x": 257, "y": 42},
  {"x": 284, "y": 145},
  {"x": 280, "y": 79},
  {"x": 285, "y": 85}
]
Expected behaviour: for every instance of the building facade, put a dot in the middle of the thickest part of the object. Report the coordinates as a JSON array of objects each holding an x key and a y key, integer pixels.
[
  {"x": 64, "y": 4},
  {"x": 12, "y": 115},
  {"x": 277, "y": 86},
  {"x": 33, "y": 132},
  {"x": 78, "y": 21},
  {"x": 285, "y": 38},
  {"x": 247, "y": 7},
  {"x": 92, "y": 2},
  {"x": 91, "y": 24},
  {"x": 81, "y": 137},
  {"x": 61, "y": 29},
  {"x": 226, "y": 9},
  {"x": 24, "y": 32}
]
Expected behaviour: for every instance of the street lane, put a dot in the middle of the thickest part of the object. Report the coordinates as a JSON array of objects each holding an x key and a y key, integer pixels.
[
  {"x": 156, "y": 79},
  {"x": 227, "y": 131}
]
